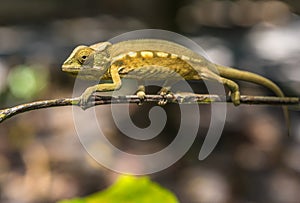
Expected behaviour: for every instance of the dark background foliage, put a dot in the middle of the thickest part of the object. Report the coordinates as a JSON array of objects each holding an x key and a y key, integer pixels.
[{"x": 41, "y": 158}]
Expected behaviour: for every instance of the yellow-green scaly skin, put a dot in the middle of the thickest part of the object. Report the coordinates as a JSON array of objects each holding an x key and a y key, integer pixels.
[{"x": 152, "y": 59}]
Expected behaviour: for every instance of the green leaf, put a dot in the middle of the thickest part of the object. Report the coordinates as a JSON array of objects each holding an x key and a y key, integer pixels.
[
  {"x": 129, "y": 189},
  {"x": 27, "y": 81}
]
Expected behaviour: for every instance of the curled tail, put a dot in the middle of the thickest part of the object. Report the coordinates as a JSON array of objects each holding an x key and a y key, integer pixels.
[{"x": 232, "y": 73}]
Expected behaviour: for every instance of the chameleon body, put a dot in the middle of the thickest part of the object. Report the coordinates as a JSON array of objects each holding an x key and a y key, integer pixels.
[{"x": 152, "y": 59}]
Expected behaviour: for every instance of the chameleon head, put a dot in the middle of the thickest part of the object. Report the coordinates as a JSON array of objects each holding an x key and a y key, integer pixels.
[
  {"x": 76, "y": 60},
  {"x": 87, "y": 60}
]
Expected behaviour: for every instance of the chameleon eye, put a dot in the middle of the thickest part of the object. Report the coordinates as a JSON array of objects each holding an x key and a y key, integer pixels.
[
  {"x": 81, "y": 59},
  {"x": 83, "y": 55}
]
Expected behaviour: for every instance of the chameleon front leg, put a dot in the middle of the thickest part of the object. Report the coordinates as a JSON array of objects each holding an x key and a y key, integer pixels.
[
  {"x": 117, "y": 83},
  {"x": 141, "y": 91},
  {"x": 233, "y": 86}
]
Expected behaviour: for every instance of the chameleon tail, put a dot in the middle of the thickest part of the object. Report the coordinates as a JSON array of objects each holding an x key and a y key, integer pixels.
[{"x": 255, "y": 78}]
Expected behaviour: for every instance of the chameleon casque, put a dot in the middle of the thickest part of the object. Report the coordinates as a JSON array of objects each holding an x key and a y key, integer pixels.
[{"x": 153, "y": 59}]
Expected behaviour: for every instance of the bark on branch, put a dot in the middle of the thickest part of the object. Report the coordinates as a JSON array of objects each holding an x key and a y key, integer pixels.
[{"x": 181, "y": 98}]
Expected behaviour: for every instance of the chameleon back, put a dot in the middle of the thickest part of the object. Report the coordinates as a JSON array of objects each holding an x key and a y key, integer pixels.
[{"x": 157, "y": 59}]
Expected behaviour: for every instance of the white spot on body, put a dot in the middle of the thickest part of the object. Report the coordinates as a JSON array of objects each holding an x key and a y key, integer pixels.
[
  {"x": 162, "y": 54},
  {"x": 185, "y": 58},
  {"x": 174, "y": 56},
  {"x": 147, "y": 54},
  {"x": 132, "y": 54},
  {"x": 119, "y": 57}
]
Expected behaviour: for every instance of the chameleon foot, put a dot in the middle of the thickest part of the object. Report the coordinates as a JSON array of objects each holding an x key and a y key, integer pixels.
[
  {"x": 141, "y": 94},
  {"x": 162, "y": 102},
  {"x": 165, "y": 92},
  {"x": 235, "y": 98},
  {"x": 84, "y": 98}
]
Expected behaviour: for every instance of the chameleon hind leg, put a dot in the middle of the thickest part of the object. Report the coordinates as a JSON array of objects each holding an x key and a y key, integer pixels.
[
  {"x": 141, "y": 91},
  {"x": 233, "y": 86},
  {"x": 116, "y": 84}
]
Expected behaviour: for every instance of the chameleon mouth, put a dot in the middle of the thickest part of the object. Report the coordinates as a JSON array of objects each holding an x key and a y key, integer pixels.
[
  {"x": 81, "y": 73},
  {"x": 69, "y": 69}
]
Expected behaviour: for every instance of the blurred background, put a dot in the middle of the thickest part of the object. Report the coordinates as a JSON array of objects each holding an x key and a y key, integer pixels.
[{"x": 41, "y": 158}]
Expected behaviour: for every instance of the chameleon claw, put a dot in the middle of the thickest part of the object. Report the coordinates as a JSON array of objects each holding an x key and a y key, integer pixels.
[
  {"x": 164, "y": 101},
  {"x": 141, "y": 95},
  {"x": 166, "y": 94},
  {"x": 83, "y": 102}
]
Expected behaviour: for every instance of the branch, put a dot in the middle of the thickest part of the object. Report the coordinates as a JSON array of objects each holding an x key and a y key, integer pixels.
[{"x": 180, "y": 98}]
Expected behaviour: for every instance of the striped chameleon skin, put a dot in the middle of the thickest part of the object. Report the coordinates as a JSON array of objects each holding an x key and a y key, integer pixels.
[{"x": 154, "y": 65}]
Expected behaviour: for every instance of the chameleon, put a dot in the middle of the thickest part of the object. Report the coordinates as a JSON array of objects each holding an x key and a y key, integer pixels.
[{"x": 153, "y": 59}]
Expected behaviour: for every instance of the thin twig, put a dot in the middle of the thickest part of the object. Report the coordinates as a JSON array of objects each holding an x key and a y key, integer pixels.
[{"x": 181, "y": 98}]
